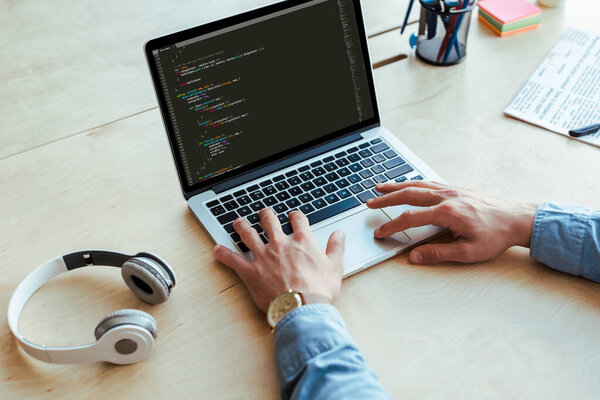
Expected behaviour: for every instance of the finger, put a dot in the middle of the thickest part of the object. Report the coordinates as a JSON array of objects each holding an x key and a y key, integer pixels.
[
  {"x": 437, "y": 253},
  {"x": 230, "y": 258},
  {"x": 393, "y": 186},
  {"x": 270, "y": 224},
  {"x": 248, "y": 234},
  {"x": 414, "y": 196},
  {"x": 299, "y": 221},
  {"x": 412, "y": 219},
  {"x": 336, "y": 246}
]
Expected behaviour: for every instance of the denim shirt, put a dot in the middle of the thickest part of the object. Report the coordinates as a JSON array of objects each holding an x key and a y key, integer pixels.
[{"x": 317, "y": 358}]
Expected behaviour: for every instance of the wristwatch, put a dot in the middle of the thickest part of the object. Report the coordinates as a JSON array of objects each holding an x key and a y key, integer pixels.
[{"x": 282, "y": 305}]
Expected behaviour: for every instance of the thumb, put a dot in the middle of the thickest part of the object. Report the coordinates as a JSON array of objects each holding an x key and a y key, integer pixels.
[
  {"x": 335, "y": 246},
  {"x": 437, "y": 253}
]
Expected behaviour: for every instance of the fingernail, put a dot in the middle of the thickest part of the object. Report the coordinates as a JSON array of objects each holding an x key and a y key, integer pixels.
[
  {"x": 216, "y": 248},
  {"x": 341, "y": 235},
  {"x": 416, "y": 257}
]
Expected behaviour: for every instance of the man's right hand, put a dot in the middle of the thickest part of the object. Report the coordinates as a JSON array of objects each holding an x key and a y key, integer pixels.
[{"x": 483, "y": 227}]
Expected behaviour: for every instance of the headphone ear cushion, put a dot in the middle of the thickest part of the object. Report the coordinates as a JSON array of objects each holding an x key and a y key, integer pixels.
[
  {"x": 127, "y": 317},
  {"x": 141, "y": 276}
]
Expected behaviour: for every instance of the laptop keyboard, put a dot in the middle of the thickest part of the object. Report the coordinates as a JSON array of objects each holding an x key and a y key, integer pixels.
[{"x": 321, "y": 189}]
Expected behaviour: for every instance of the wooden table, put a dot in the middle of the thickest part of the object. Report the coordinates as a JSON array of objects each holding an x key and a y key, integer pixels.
[{"x": 85, "y": 163}]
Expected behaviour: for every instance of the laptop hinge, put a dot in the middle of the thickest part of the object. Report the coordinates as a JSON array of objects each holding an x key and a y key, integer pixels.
[{"x": 277, "y": 165}]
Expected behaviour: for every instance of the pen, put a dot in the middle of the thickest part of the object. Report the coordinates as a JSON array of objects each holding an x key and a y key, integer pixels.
[{"x": 588, "y": 130}]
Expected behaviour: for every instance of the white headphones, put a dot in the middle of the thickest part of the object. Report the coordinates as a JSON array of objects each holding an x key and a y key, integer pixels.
[{"x": 125, "y": 336}]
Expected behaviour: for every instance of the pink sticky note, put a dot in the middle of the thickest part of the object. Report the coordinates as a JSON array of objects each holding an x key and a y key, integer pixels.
[{"x": 507, "y": 11}]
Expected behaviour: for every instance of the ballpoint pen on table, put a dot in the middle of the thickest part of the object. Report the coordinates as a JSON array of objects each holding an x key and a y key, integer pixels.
[{"x": 588, "y": 130}]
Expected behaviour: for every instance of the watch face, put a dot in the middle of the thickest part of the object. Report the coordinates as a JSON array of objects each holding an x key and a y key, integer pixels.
[{"x": 282, "y": 305}]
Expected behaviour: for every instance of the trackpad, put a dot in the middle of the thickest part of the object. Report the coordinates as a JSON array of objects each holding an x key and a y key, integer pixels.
[{"x": 361, "y": 246}]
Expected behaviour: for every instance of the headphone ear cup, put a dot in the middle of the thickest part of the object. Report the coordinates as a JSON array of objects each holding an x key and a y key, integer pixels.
[
  {"x": 127, "y": 317},
  {"x": 142, "y": 276}
]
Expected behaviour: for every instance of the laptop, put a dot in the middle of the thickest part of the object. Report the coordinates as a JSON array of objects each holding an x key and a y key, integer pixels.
[{"x": 276, "y": 107}]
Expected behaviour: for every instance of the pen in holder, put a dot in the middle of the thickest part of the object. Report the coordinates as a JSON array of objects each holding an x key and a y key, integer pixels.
[{"x": 443, "y": 30}]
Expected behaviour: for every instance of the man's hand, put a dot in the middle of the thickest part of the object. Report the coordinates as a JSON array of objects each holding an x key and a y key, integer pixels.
[
  {"x": 295, "y": 262},
  {"x": 483, "y": 227}
]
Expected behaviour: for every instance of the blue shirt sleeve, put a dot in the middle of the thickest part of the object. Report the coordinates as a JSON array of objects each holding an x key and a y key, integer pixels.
[
  {"x": 567, "y": 238},
  {"x": 317, "y": 358}
]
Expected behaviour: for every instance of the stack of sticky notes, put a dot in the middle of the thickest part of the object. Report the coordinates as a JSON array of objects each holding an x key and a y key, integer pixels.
[{"x": 506, "y": 17}]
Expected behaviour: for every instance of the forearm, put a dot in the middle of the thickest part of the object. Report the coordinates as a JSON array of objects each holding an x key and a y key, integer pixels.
[
  {"x": 567, "y": 238},
  {"x": 317, "y": 358}
]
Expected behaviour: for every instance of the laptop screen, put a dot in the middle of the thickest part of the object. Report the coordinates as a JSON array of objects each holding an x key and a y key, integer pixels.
[{"x": 245, "y": 93}]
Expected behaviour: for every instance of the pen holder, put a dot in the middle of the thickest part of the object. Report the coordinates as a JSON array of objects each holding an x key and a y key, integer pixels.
[{"x": 443, "y": 31}]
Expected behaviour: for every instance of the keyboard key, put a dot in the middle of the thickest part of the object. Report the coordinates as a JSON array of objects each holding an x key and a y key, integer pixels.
[
  {"x": 356, "y": 188},
  {"x": 303, "y": 168},
  {"x": 213, "y": 203},
  {"x": 257, "y": 206},
  {"x": 378, "y": 158},
  {"x": 354, "y": 178},
  {"x": 375, "y": 141},
  {"x": 356, "y": 167},
  {"x": 279, "y": 208},
  {"x": 328, "y": 159},
  {"x": 380, "y": 179},
  {"x": 365, "y": 153},
  {"x": 390, "y": 153},
  {"x": 230, "y": 205},
  {"x": 364, "y": 196},
  {"x": 294, "y": 181},
  {"x": 278, "y": 178},
  {"x": 379, "y": 148},
  {"x": 229, "y": 227},
  {"x": 340, "y": 154},
  {"x": 319, "y": 171},
  {"x": 343, "y": 193},
  {"x": 243, "y": 248},
  {"x": 218, "y": 210},
  {"x": 316, "y": 163},
  {"x": 263, "y": 238},
  {"x": 331, "y": 198},
  {"x": 269, "y": 201},
  {"x": 368, "y": 184},
  {"x": 257, "y": 195},
  {"x": 332, "y": 176},
  {"x": 283, "y": 218},
  {"x": 330, "y": 188},
  {"x": 281, "y": 186},
  {"x": 252, "y": 188},
  {"x": 401, "y": 179},
  {"x": 287, "y": 229},
  {"x": 377, "y": 169},
  {"x": 344, "y": 172},
  {"x": 353, "y": 158},
  {"x": 269, "y": 190},
  {"x": 319, "y": 203},
  {"x": 342, "y": 162},
  {"x": 366, "y": 174},
  {"x": 257, "y": 228},
  {"x": 352, "y": 150},
  {"x": 401, "y": 170},
  {"x": 306, "y": 176},
  {"x": 226, "y": 198},
  {"x": 318, "y": 193},
  {"x": 377, "y": 192},
  {"x": 305, "y": 198},
  {"x": 416, "y": 178},
  {"x": 243, "y": 200},
  {"x": 253, "y": 219},
  {"x": 293, "y": 203},
  {"x": 307, "y": 208},
  {"x": 235, "y": 237},
  {"x": 283, "y": 196},
  {"x": 342, "y": 183},
  {"x": 245, "y": 211},
  {"x": 307, "y": 186},
  {"x": 330, "y": 167},
  {"x": 295, "y": 191},
  {"x": 291, "y": 173},
  {"x": 363, "y": 145},
  {"x": 332, "y": 210},
  {"x": 367, "y": 163},
  {"x": 266, "y": 183},
  {"x": 393, "y": 163},
  {"x": 320, "y": 181},
  {"x": 226, "y": 218}
]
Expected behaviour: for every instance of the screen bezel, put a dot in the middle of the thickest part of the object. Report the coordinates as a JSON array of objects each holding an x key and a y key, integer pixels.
[{"x": 171, "y": 39}]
